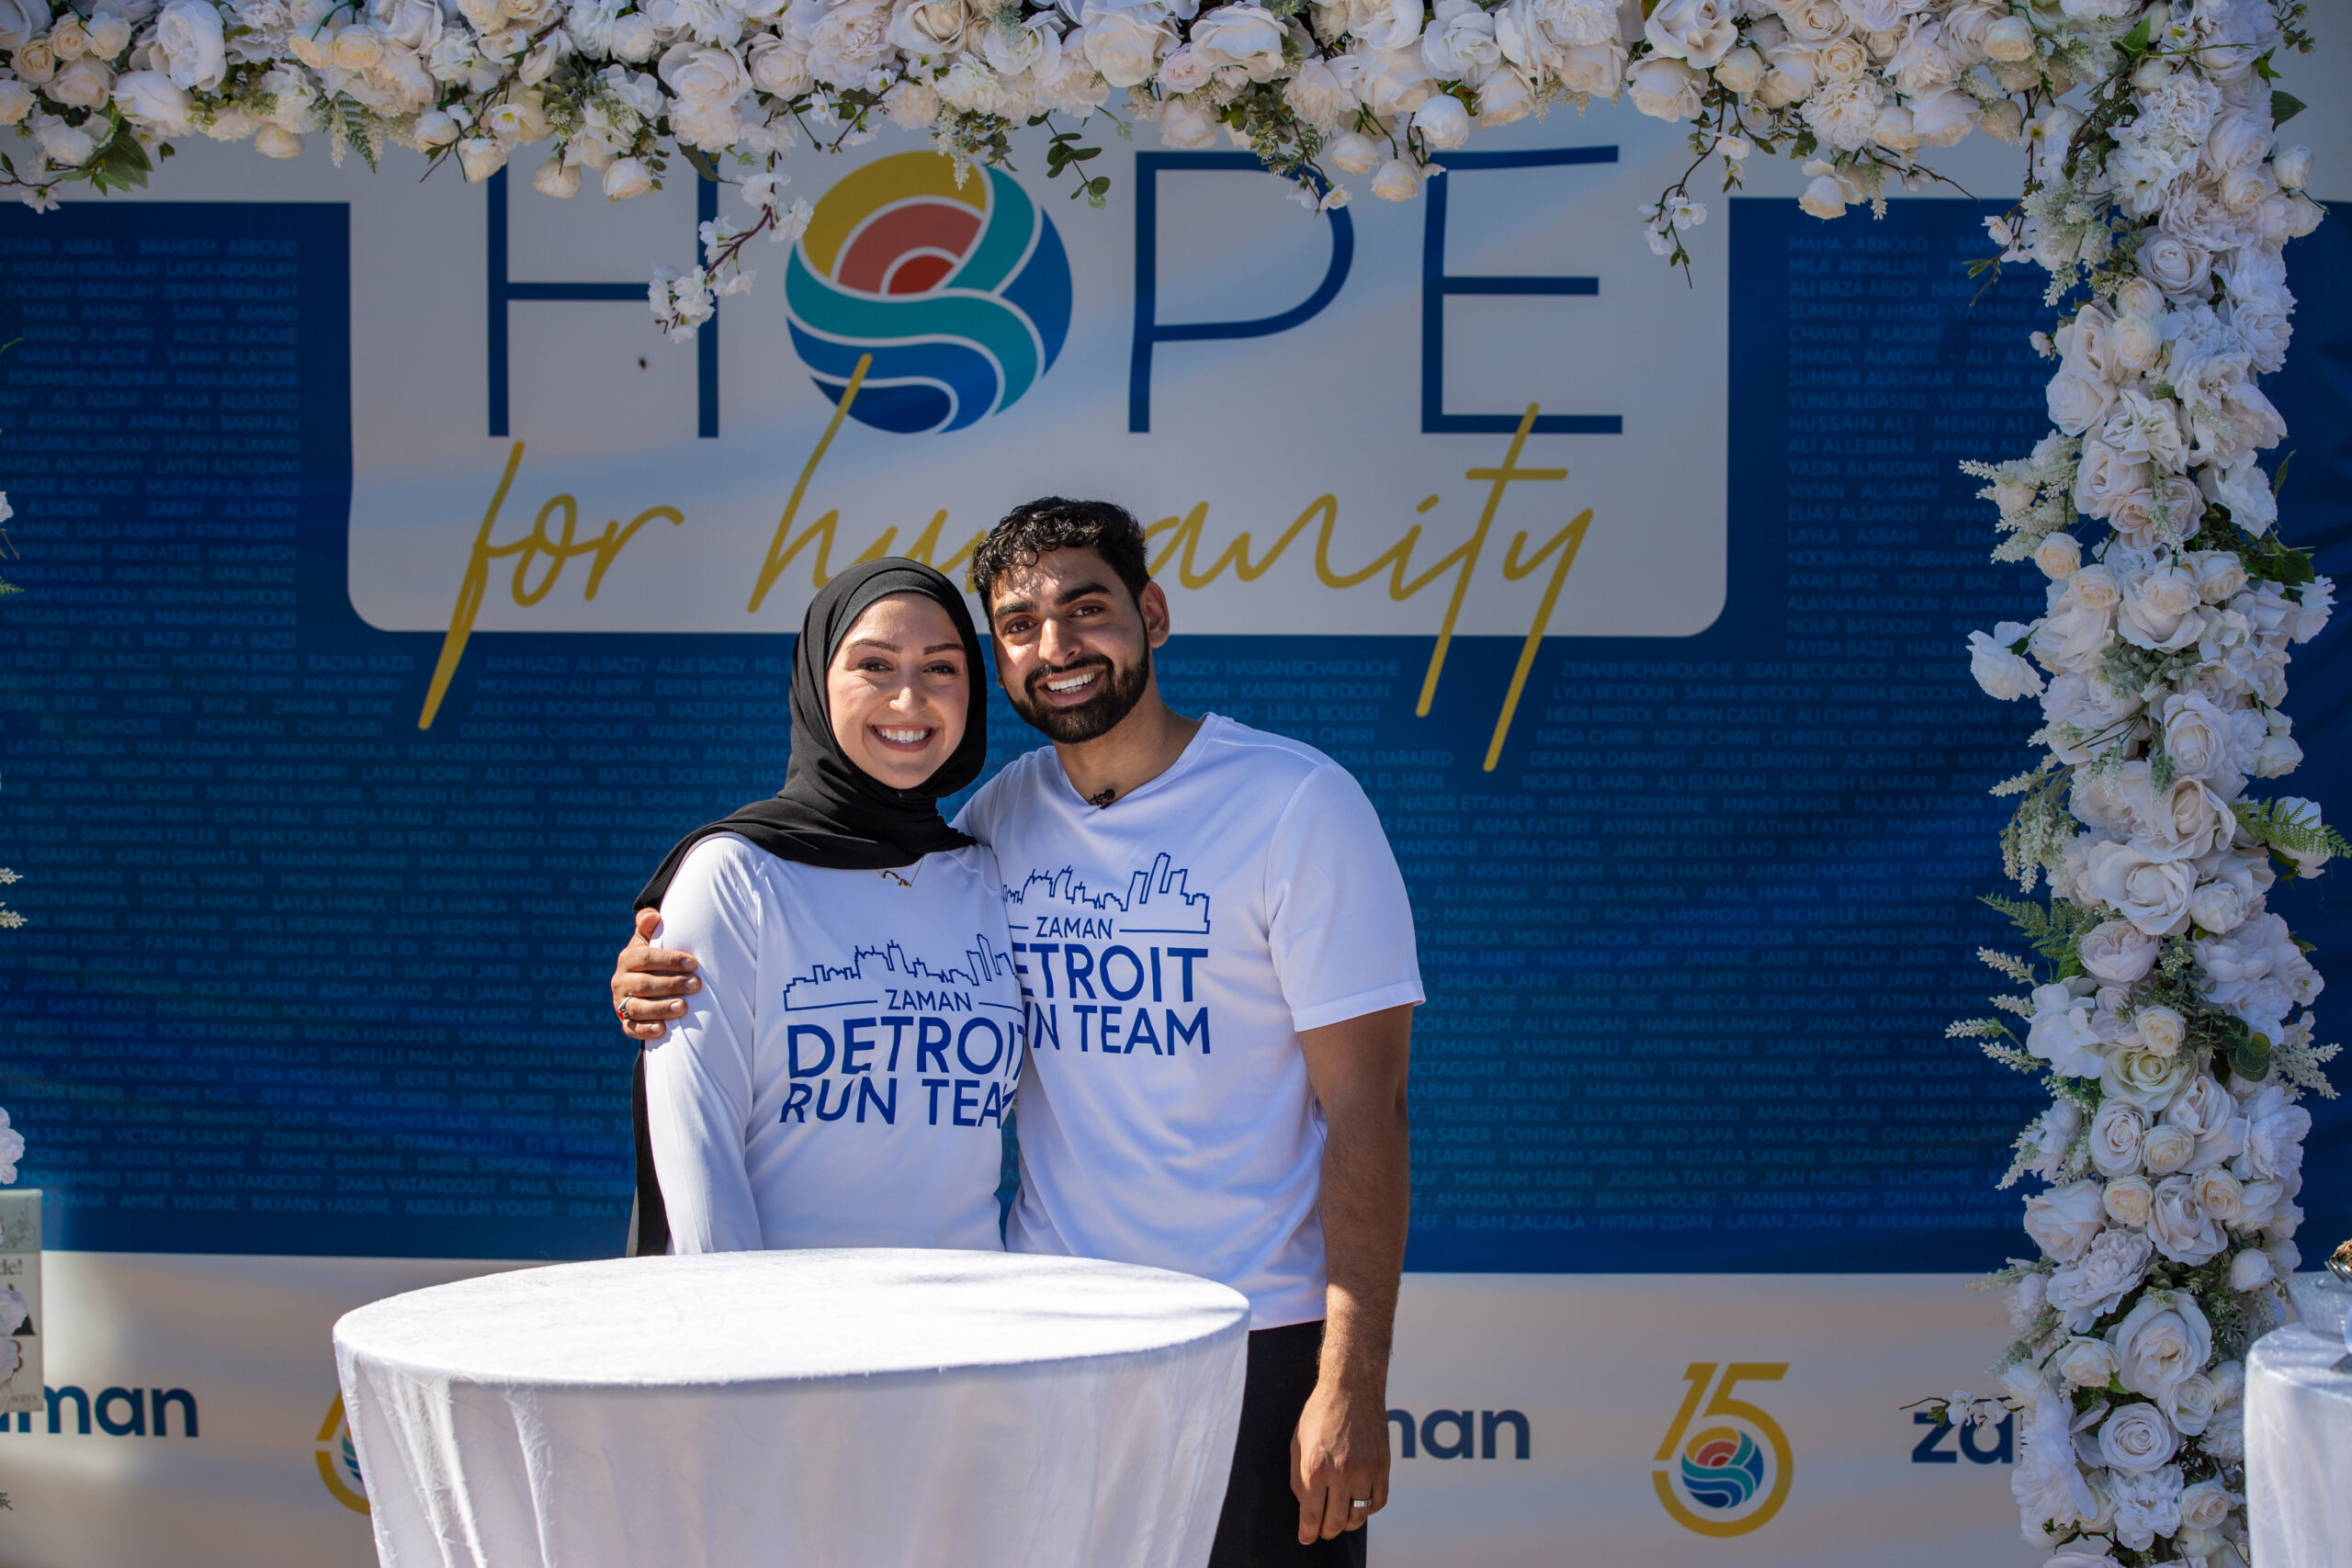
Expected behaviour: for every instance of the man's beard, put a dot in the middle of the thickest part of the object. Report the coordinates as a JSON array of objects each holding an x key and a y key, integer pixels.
[{"x": 1115, "y": 696}]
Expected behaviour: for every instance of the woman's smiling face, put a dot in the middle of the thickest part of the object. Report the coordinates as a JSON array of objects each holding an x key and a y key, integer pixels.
[{"x": 899, "y": 690}]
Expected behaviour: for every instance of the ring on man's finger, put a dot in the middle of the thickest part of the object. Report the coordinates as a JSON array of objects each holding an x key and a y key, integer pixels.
[{"x": 620, "y": 1010}]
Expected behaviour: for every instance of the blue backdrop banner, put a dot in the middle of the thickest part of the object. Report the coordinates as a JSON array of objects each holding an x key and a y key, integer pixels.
[{"x": 302, "y": 978}]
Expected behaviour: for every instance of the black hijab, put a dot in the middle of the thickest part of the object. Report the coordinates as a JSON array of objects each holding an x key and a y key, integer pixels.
[{"x": 829, "y": 812}]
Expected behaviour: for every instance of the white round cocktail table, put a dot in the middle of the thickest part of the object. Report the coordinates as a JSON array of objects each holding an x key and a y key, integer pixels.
[
  {"x": 2298, "y": 1450},
  {"x": 833, "y": 1409}
]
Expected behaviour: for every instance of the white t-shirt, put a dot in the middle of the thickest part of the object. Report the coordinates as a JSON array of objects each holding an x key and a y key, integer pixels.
[
  {"x": 842, "y": 1078},
  {"x": 1172, "y": 947}
]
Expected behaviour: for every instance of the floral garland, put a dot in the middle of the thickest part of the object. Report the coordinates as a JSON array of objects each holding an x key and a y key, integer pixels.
[
  {"x": 2169, "y": 1015},
  {"x": 1317, "y": 88}
]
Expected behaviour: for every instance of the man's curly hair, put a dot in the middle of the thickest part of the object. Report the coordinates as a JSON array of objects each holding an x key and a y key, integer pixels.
[{"x": 1056, "y": 523}]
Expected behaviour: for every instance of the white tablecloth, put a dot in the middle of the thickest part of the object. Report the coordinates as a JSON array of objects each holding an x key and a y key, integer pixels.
[
  {"x": 2299, "y": 1450},
  {"x": 836, "y": 1409}
]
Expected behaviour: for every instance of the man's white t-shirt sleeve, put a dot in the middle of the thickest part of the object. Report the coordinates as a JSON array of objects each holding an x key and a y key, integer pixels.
[
  {"x": 698, "y": 1078},
  {"x": 1340, "y": 922}
]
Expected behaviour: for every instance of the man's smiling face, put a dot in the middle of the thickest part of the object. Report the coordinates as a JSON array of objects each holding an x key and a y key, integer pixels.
[{"x": 1073, "y": 646}]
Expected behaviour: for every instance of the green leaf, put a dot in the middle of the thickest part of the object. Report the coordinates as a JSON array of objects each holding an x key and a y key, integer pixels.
[
  {"x": 2264, "y": 69},
  {"x": 121, "y": 164},
  {"x": 2284, "y": 107},
  {"x": 702, "y": 164},
  {"x": 2136, "y": 40}
]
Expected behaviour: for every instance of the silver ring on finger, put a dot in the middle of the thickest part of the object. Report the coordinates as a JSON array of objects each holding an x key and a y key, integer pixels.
[
  {"x": 1361, "y": 1502},
  {"x": 620, "y": 1010}
]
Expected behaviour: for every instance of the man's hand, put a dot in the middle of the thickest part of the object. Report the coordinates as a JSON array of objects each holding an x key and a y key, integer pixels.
[
  {"x": 1338, "y": 1455},
  {"x": 646, "y": 978}
]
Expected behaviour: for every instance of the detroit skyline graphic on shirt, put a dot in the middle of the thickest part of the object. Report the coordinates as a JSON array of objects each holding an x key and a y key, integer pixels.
[
  {"x": 1156, "y": 902},
  {"x": 903, "y": 982}
]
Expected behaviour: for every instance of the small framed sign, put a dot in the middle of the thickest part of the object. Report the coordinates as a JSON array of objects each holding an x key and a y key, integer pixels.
[{"x": 20, "y": 1309}]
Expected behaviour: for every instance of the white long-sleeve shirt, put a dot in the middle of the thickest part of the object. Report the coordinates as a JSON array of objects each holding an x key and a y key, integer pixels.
[{"x": 842, "y": 1078}]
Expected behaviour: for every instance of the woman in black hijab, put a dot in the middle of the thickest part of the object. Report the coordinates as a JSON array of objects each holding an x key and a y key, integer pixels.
[{"x": 842, "y": 1077}]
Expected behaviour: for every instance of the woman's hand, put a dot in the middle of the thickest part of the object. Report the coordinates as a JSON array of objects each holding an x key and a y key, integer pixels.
[{"x": 650, "y": 983}]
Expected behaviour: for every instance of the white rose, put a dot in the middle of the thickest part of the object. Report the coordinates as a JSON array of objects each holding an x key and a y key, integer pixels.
[
  {"x": 2218, "y": 906},
  {"x": 776, "y": 66},
  {"x": 2147, "y": 1080},
  {"x": 2059, "y": 556},
  {"x": 191, "y": 45},
  {"x": 2197, "y": 735},
  {"x": 1247, "y": 36},
  {"x": 704, "y": 78},
  {"x": 1396, "y": 82},
  {"x": 626, "y": 177},
  {"x": 2009, "y": 39},
  {"x": 2291, "y": 168},
  {"x": 2084, "y": 1363},
  {"x": 1943, "y": 116},
  {"x": 1443, "y": 123},
  {"x": 1315, "y": 92},
  {"x": 934, "y": 26},
  {"x": 912, "y": 105},
  {"x": 1460, "y": 40},
  {"x": 1398, "y": 181},
  {"x": 1742, "y": 70},
  {"x": 555, "y": 178},
  {"x": 2063, "y": 1220},
  {"x": 2104, "y": 477},
  {"x": 153, "y": 98},
  {"x": 1597, "y": 69},
  {"x": 2118, "y": 953},
  {"x": 1384, "y": 24},
  {"x": 1663, "y": 88},
  {"x": 2153, "y": 896},
  {"x": 1352, "y": 154},
  {"x": 2077, "y": 400},
  {"x": 1188, "y": 124},
  {"x": 2207, "y": 1113},
  {"x": 2128, "y": 1200},
  {"x": 17, "y": 100},
  {"x": 2221, "y": 1195},
  {"x": 2180, "y": 1229},
  {"x": 2205, "y": 1506},
  {"x": 2250, "y": 1270},
  {"x": 2116, "y": 1132},
  {"x": 83, "y": 84},
  {"x": 480, "y": 157},
  {"x": 276, "y": 141},
  {"x": 1824, "y": 198},
  {"x": 2136, "y": 1438},
  {"x": 1505, "y": 97},
  {"x": 2160, "y": 1342},
  {"x": 2004, "y": 674},
  {"x": 2182, "y": 270},
  {"x": 20, "y": 21},
  {"x": 1699, "y": 31},
  {"x": 1124, "y": 43}
]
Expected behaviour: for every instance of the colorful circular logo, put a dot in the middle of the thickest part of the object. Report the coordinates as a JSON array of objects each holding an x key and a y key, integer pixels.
[
  {"x": 960, "y": 295},
  {"x": 1722, "y": 1468}
]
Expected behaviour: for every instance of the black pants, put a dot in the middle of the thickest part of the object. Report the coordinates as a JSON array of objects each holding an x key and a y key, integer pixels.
[{"x": 1260, "y": 1526}]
